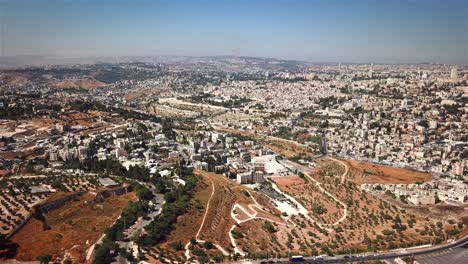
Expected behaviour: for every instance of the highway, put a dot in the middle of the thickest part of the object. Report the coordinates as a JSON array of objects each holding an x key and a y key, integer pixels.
[{"x": 399, "y": 253}]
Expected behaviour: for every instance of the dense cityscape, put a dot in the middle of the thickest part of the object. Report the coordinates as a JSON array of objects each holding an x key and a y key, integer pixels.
[
  {"x": 231, "y": 158},
  {"x": 233, "y": 131}
]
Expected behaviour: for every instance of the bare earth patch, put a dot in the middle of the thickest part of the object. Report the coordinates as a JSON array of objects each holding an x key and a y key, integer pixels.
[
  {"x": 80, "y": 83},
  {"x": 364, "y": 172},
  {"x": 74, "y": 227}
]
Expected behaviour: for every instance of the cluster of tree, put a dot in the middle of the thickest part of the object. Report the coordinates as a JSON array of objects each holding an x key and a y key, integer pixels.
[
  {"x": 243, "y": 137},
  {"x": 177, "y": 245},
  {"x": 269, "y": 227},
  {"x": 452, "y": 232},
  {"x": 138, "y": 173},
  {"x": 85, "y": 106},
  {"x": 7, "y": 140},
  {"x": 298, "y": 158},
  {"x": 233, "y": 102},
  {"x": 398, "y": 225},
  {"x": 318, "y": 209},
  {"x": 290, "y": 80},
  {"x": 324, "y": 249},
  {"x": 328, "y": 101},
  {"x": 44, "y": 258},
  {"x": 316, "y": 139},
  {"x": 110, "y": 167},
  {"x": 28, "y": 167},
  {"x": 58, "y": 185},
  {"x": 15, "y": 112},
  {"x": 143, "y": 193},
  {"x": 102, "y": 252},
  {"x": 177, "y": 203},
  {"x": 128, "y": 217},
  {"x": 454, "y": 109},
  {"x": 284, "y": 132},
  {"x": 168, "y": 128}
]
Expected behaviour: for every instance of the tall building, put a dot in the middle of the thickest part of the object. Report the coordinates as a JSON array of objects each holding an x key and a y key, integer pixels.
[{"x": 454, "y": 73}]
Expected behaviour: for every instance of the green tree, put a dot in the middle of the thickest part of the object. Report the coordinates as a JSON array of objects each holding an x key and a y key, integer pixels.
[
  {"x": 208, "y": 245},
  {"x": 101, "y": 255},
  {"x": 177, "y": 245},
  {"x": 44, "y": 258}
]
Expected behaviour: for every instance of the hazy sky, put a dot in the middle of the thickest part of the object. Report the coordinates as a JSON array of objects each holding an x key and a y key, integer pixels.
[{"x": 328, "y": 30}]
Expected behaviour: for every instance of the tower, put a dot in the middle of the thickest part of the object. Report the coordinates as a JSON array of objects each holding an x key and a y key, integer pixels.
[{"x": 453, "y": 73}]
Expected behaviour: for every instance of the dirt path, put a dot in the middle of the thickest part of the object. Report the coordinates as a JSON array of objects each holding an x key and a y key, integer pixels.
[
  {"x": 90, "y": 251},
  {"x": 233, "y": 242},
  {"x": 343, "y": 176},
  {"x": 187, "y": 246},
  {"x": 250, "y": 210},
  {"x": 251, "y": 217},
  {"x": 300, "y": 208},
  {"x": 319, "y": 185}
]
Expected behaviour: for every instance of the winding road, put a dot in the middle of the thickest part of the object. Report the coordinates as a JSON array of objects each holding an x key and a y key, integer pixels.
[
  {"x": 251, "y": 217},
  {"x": 388, "y": 255},
  {"x": 187, "y": 246},
  {"x": 343, "y": 176},
  {"x": 319, "y": 185}
]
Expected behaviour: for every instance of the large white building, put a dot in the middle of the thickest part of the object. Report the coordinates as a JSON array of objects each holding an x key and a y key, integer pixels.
[
  {"x": 250, "y": 177},
  {"x": 270, "y": 165},
  {"x": 421, "y": 199},
  {"x": 454, "y": 73}
]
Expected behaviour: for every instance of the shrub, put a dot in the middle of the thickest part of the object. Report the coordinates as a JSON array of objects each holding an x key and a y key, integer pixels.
[{"x": 176, "y": 245}]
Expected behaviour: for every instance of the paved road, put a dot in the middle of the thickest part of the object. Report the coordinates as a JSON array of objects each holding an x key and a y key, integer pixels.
[
  {"x": 452, "y": 256},
  {"x": 158, "y": 201},
  {"x": 445, "y": 253}
]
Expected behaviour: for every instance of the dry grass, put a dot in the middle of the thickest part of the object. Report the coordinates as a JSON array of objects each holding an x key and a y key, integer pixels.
[
  {"x": 257, "y": 239},
  {"x": 281, "y": 146},
  {"x": 80, "y": 83},
  {"x": 186, "y": 226},
  {"x": 218, "y": 215},
  {"x": 142, "y": 93},
  {"x": 227, "y": 193},
  {"x": 288, "y": 181},
  {"x": 307, "y": 193},
  {"x": 364, "y": 172},
  {"x": 74, "y": 227},
  {"x": 14, "y": 78},
  {"x": 368, "y": 216}
]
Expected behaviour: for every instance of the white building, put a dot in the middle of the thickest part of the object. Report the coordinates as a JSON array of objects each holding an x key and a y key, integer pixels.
[{"x": 454, "y": 73}]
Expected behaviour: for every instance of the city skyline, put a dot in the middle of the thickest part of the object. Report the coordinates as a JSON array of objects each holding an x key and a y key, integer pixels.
[
  {"x": 233, "y": 131},
  {"x": 316, "y": 31}
]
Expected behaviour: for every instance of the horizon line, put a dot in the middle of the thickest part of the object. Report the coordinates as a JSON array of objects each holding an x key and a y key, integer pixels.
[{"x": 375, "y": 62}]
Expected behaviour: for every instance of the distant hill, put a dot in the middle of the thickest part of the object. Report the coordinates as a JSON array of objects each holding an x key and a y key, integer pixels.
[
  {"x": 233, "y": 63},
  {"x": 80, "y": 83}
]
